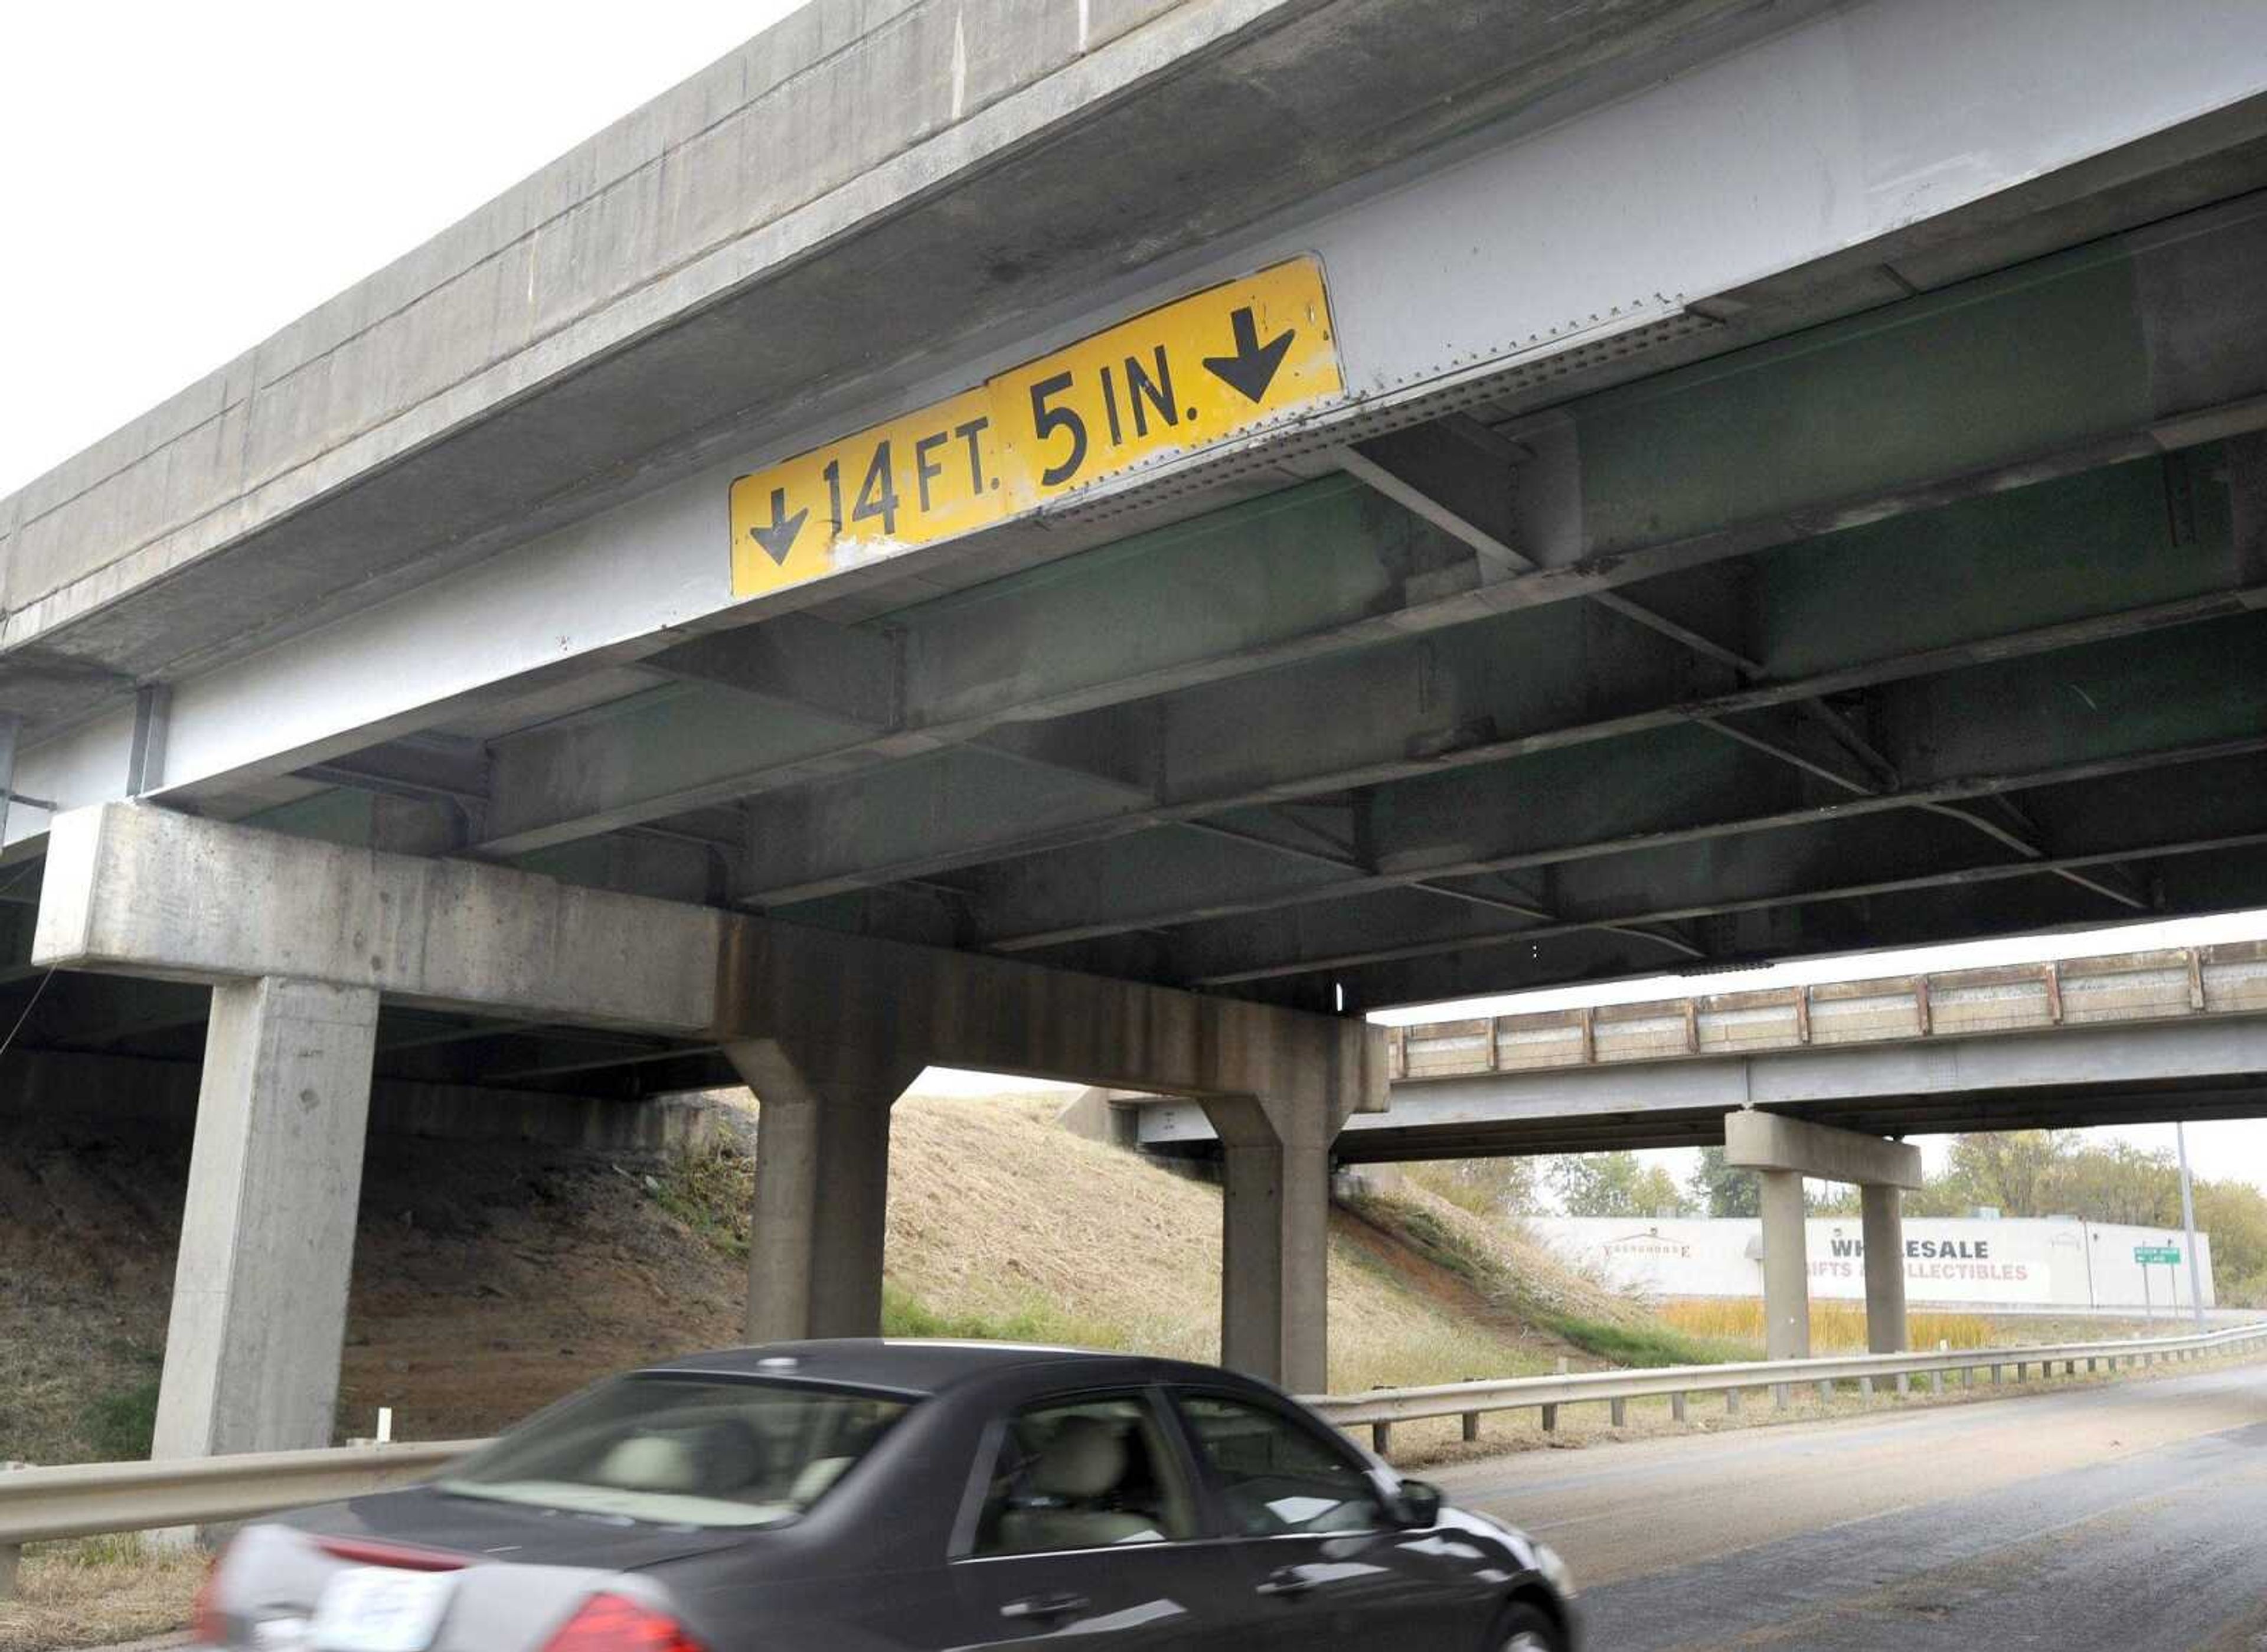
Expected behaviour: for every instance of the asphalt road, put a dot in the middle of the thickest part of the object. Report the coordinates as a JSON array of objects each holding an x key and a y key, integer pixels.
[{"x": 2130, "y": 1514}]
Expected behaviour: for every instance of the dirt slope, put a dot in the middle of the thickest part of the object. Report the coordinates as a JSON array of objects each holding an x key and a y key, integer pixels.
[{"x": 488, "y": 1281}]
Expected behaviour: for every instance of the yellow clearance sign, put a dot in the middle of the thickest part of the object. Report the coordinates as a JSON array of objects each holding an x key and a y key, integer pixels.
[{"x": 1184, "y": 376}]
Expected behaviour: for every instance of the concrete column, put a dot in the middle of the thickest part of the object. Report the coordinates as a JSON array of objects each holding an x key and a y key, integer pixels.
[
  {"x": 822, "y": 1184},
  {"x": 1274, "y": 1303},
  {"x": 1275, "y": 1298},
  {"x": 1882, "y": 1208},
  {"x": 259, "y": 1288},
  {"x": 1787, "y": 1267}
]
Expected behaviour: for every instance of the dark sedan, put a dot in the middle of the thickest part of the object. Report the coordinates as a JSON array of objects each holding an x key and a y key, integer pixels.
[{"x": 861, "y": 1496}]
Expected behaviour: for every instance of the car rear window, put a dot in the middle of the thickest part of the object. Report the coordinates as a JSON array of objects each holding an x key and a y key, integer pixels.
[{"x": 683, "y": 1451}]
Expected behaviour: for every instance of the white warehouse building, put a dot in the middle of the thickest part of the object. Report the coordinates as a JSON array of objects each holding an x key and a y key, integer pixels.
[{"x": 2050, "y": 1264}]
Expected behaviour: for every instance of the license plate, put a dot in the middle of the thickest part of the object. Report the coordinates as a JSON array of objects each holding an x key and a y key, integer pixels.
[{"x": 378, "y": 1609}]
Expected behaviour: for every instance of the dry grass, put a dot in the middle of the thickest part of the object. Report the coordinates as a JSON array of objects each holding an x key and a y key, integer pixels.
[
  {"x": 1835, "y": 1326},
  {"x": 995, "y": 1215},
  {"x": 99, "y": 1590}
]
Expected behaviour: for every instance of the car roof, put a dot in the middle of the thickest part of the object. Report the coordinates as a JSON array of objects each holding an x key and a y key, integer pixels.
[{"x": 916, "y": 1365}]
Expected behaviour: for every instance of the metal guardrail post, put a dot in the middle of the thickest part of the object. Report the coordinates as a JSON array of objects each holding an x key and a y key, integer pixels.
[
  {"x": 1676, "y": 1407},
  {"x": 12, "y": 1554},
  {"x": 1617, "y": 1412}
]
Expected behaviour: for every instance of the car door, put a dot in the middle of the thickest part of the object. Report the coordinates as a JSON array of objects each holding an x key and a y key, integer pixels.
[
  {"x": 1326, "y": 1561},
  {"x": 1086, "y": 1531}
]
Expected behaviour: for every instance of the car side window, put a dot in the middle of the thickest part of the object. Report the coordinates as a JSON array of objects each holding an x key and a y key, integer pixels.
[
  {"x": 1092, "y": 1472},
  {"x": 1277, "y": 1474}
]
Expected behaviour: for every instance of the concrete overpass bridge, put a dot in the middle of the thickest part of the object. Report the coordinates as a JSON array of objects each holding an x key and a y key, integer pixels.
[
  {"x": 1105, "y": 543},
  {"x": 2134, "y": 1038}
]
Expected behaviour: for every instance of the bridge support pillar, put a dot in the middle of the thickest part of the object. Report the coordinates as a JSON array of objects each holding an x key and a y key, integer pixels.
[
  {"x": 259, "y": 1286},
  {"x": 1275, "y": 1217},
  {"x": 1274, "y": 1293},
  {"x": 1783, "y": 1150},
  {"x": 1787, "y": 1267},
  {"x": 822, "y": 1184},
  {"x": 1884, "y": 1213}
]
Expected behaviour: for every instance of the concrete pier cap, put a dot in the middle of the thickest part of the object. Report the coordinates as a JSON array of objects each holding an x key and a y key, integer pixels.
[
  {"x": 1759, "y": 1141},
  {"x": 134, "y": 889}
]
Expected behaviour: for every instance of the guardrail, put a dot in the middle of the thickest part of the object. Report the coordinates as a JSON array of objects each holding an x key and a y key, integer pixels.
[
  {"x": 1382, "y": 1408},
  {"x": 92, "y": 1499},
  {"x": 84, "y": 1500}
]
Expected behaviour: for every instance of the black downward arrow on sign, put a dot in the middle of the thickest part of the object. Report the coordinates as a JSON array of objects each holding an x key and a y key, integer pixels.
[
  {"x": 1252, "y": 368},
  {"x": 779, "y": 538}
]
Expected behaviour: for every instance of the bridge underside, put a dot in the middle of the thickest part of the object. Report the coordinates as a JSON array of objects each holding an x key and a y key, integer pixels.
[{"x": 1940, "y": 621}]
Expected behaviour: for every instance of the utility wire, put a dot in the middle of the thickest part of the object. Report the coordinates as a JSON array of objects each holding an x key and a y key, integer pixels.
[{"x": 29, "y": 1005}]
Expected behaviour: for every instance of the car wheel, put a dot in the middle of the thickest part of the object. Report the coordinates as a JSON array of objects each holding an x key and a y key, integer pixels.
[{"x": 1526, "y": 1628}]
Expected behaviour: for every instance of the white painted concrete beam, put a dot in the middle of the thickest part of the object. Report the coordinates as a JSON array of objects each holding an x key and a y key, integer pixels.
[
  {"x": 142, "y": 891},
  {"x": 998, "y": 1015},
  {"x": 1774, "y": 1142}
]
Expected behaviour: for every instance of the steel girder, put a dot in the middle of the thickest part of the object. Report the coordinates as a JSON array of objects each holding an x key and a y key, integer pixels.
[{"x": 2057, "y": 368}]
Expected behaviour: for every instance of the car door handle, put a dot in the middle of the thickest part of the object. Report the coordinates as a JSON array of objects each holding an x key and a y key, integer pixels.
[
  {"x": 1044, "y": 1606},
  {"x": 1286, "y": 1580}
]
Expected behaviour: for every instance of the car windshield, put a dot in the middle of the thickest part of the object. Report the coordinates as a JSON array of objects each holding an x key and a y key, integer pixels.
[{"x": 682, "y": 1451}]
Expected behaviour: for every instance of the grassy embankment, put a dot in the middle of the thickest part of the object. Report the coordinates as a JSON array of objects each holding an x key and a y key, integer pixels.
[{"x": 1003, "y": 1227}]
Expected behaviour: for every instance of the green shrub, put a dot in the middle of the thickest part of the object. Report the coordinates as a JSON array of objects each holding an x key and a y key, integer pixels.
[
  {"x": 1643, "y": 1344},
  {"x": 1646, "y": 1342},
  {"x": 905, "y": 1315},
  {"x": 119, "y": 1424}
]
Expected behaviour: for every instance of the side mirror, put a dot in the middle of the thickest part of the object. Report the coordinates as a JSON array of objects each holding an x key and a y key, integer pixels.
[{"x": 1421, "y": 1504}]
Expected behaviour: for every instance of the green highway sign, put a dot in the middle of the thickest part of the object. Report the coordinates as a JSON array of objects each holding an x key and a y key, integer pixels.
[{"x": 2146, "y": 1254}]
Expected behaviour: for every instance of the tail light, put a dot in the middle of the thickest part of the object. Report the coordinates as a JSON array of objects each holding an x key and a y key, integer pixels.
[
  {"x": 208, "y": 1624},
  {"x": 612, "y": 1623}
]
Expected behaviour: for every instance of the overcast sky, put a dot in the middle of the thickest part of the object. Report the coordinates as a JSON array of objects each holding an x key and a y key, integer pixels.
[{"x": 178, "y": 182}]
